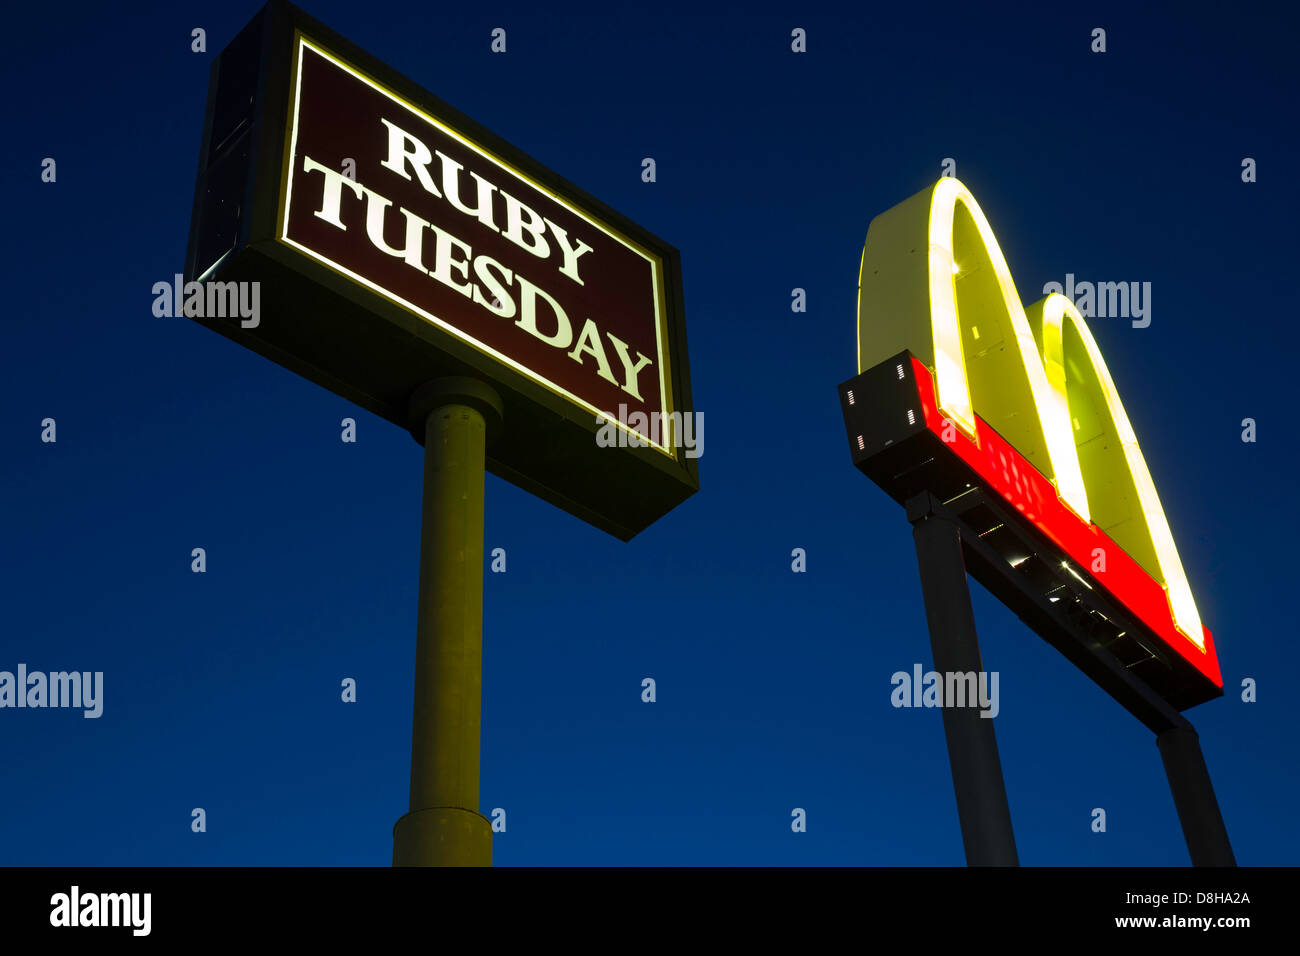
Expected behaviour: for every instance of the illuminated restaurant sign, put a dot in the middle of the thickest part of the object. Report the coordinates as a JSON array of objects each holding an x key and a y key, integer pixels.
[
  {"x": 1017, "y": 400},
  {"x": 396, "y": 241}
]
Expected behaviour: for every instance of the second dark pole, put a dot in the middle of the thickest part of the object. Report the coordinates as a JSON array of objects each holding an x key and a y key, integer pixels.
[{"x": 972, "y": 745}]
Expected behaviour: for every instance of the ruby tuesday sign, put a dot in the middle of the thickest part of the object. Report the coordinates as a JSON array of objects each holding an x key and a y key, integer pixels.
[
  {"x": 400, "y": 202},
  {"x": 396, "y": 242}
]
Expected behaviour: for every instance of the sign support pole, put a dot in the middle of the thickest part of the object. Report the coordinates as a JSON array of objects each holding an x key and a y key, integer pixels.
[
  {"x": 972, "y": 745},
  {"x": 1198, "y": 809},
  {"x": 453, "y": 418}
]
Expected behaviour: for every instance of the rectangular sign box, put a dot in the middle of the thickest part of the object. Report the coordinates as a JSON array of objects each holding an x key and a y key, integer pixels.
[
  {"x": 895, "y": 433},
  {"x": 395, "y": 241}
]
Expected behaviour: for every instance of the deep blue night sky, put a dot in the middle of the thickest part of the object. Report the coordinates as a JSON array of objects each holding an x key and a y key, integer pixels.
[{"x": 222, "y": 690}]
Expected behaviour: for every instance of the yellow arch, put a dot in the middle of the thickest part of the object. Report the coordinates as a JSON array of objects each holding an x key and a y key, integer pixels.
[
  {"x": 1037, "y": 380},
  {"x": 1125, "y": 503}
]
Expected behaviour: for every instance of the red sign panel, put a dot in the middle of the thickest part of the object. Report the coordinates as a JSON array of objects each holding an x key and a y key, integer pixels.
[{"x": 1025, "y": 489}]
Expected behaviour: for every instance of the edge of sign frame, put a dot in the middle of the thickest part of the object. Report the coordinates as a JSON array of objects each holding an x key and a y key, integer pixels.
[{"x": 619, "y": 490}]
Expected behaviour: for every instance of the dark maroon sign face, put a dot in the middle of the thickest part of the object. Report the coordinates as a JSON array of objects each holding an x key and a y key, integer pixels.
[{"x": 390, "y": 197}]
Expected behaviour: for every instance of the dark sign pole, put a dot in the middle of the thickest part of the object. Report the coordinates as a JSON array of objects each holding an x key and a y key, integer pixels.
[
  {"x": 972, "y": 745},
  {"x": 453, "y": 419},
  {"x": 1198, "y": 810}
]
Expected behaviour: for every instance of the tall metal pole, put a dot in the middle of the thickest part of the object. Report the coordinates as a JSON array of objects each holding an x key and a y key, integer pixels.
[
  {"x": 444, "y": 826},
  {"x": 981, "y": 792},
  {"x": 1198, "y": 809}
]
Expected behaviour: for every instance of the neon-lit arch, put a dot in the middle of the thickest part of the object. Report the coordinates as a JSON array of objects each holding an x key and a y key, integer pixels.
[
  {"x": 934, "y": 281},
  {"x": 1119, "y": 482}
]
